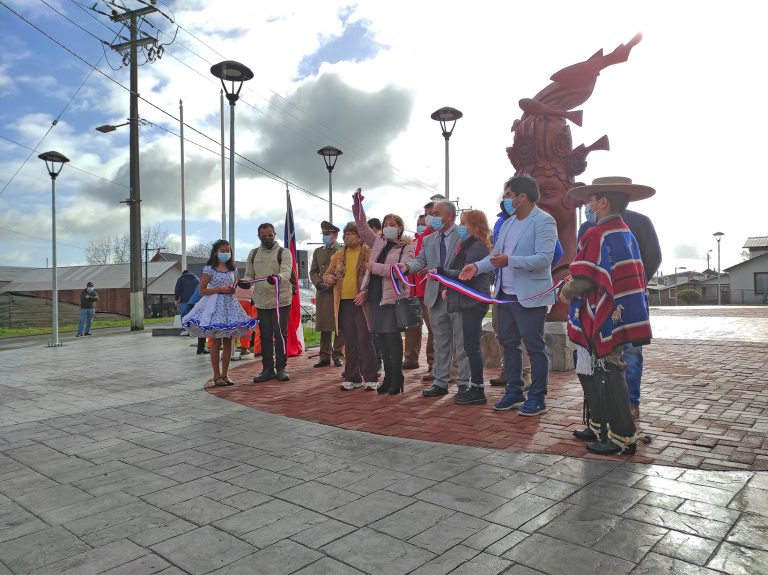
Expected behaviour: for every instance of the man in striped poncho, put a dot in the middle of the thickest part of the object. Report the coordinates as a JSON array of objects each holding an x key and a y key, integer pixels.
[{"x": 608, "y": 310}]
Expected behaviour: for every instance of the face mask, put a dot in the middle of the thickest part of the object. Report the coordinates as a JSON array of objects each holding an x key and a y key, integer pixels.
[
  {"x": 462, "y": 231},
  {"x": 223, "y": 256},
  {"x": 89, "y": 289},
  {"x": 508, "y": 206},
  {"x": 437, "y": 222},
  {"x": 590, "y": 216},
  {"x": 327, "y": 240},
  {"x": 267, "y": 243},
  {"x": 421, "y": 229},
  {"x": 428, "y": 221},
  {"x": 390, "y": 232}
]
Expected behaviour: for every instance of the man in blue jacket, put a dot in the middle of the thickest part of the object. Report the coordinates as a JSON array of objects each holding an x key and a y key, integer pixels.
[{"x": 523, "y": 255}]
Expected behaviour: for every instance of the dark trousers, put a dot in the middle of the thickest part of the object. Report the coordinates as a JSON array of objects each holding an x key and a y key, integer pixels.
[
  {"x": 392, "y": 355},
  {"x": 523, "y": 324},
  {"x": 273, "y": 337},
  {"x": 608, "y": 400},
  {"x": 361, "y": 357},
  {"x": 327, "y": 350},
  {"x": 472, "y": 326},
  {"x": 377, "y": 348}
]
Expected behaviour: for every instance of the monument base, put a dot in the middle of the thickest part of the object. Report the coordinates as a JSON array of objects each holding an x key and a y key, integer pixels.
[
  {"x": 559, "y": 346},
  {"x": 489, "y": 346}
]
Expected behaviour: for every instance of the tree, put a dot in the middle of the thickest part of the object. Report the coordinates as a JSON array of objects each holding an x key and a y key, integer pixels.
[
  {"x": 117, "y": 250},
  {"x": 202, "y": 250},
  {"x": 689, "y": 296}
]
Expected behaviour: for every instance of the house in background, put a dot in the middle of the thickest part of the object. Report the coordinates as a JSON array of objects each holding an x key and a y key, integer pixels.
[
  {"x": 112, "y": 281},
  {"x": 749, "y": 281},
  {"x": 756, "y": 246}
]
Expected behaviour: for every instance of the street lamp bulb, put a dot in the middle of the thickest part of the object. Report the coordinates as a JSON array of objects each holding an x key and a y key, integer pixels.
[
  {"x": 330, "y": 154},
  {"x": 446, "y": 114},
  {"x": 53, "y": 160},
  {"x": 231, "y": 70}
]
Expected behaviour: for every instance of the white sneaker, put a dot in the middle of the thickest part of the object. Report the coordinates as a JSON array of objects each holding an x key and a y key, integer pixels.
[
  {"x": 350, "y": 385},
  {"x": 371, "y": 386}
]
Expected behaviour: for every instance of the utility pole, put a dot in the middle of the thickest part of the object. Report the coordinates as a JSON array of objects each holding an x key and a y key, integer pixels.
[{"x": 129, "y": 51}]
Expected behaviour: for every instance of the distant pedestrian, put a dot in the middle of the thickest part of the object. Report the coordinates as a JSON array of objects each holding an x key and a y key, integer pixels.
[
  {"x": 88, "y": 298},
  {"x": 186, "y": 284},
  {"x": 218, "y": 314},
  {"x": 201, "y": 349}
]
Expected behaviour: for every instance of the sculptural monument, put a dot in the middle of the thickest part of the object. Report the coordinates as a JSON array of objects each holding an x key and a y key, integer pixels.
[{"x": 543, "y": 147}]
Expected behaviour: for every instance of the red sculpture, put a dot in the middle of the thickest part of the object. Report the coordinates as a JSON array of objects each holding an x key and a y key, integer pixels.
[{"x": 543, "y": 147}]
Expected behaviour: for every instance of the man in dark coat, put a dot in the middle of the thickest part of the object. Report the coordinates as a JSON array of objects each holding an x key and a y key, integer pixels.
[{"x": 325, "y": 321}]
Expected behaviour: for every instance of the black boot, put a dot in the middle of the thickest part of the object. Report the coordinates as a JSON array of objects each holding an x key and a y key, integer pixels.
[
  {"x": 398, "y": 386},
  {"x": 385, "y": 385}
]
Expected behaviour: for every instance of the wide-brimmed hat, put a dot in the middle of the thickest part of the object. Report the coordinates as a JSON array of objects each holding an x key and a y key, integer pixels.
[
  {"x": 613, "y": 184},
  {"x": 328, "y": 227}
]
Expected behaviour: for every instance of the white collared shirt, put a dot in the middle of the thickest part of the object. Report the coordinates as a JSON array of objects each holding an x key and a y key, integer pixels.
[{"x": 510, "y": 240}]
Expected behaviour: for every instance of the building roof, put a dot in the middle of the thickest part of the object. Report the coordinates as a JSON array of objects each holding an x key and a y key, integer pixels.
[
  {"x": 110, "y": 276},
  {"x": 756, "y": 242},
  {"x": 752, "y": 260},
  {"x": 169, "y": 257},
  {"x": 10, "y": 273}
]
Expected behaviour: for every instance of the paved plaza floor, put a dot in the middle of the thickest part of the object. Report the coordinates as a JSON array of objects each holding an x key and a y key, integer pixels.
[{"x": 114, "y": 459}]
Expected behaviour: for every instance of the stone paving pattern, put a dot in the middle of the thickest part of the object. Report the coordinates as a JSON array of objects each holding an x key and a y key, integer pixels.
[
  {"x": 704, "y": 403},
  {"x": 114, "y": 460}
]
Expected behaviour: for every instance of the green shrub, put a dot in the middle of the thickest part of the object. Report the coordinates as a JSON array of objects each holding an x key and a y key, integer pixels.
[{"x": 689, "y": 296}]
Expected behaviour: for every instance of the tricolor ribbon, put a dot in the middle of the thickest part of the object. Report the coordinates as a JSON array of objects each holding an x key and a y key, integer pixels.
[
  {"x": 358, "y": 194},
  {"x": 478, "y": 296}
]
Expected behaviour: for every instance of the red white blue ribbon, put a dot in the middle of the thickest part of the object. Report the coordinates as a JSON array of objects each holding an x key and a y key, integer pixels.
[{"x": 478, "y": 296}]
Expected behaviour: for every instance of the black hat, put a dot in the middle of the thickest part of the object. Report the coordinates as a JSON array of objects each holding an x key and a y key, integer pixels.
[
  {"x": 328, "y": 227},
  {"x": 89, "y": 284}
]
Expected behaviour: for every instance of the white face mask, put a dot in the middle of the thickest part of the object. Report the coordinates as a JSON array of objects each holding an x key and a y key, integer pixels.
[
  {"x": 428, "y": 221},
  {"x": 390, "y": 232}
]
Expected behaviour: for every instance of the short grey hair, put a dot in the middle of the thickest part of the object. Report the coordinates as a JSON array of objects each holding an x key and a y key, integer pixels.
[{"x": 448, "y": 205}]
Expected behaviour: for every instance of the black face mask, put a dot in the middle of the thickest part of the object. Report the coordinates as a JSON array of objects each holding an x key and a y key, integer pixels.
[{"x": 267, "y": 243}]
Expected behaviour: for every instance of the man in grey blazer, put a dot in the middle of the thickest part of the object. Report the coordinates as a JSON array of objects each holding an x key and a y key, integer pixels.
[
  {"x": 523, "y": 252},
  {"x": 438, "y": 250}
]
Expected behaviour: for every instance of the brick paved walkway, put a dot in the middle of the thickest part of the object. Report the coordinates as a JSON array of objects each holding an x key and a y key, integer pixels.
[{"x": 704, "y": 402}]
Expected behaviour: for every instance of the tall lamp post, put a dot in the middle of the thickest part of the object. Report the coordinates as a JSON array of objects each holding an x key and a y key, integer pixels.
[
  {"x": 54, "y": 162},
  {"x": 676, "y": 282},
  {"x": 235, "y": 73},
  {"x": 447, "y": 118},
  {"x": 330, "y": 155},
  {"x": 718, "y": 235}
]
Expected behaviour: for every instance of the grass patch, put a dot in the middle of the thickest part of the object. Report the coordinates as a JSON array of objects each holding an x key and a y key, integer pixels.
[
  {"x": 22, "y": 331},
  {"x": 311, "y": 337}
]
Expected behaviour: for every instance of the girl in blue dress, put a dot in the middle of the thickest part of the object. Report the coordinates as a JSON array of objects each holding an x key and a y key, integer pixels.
[{"x": 218, "y": 314}]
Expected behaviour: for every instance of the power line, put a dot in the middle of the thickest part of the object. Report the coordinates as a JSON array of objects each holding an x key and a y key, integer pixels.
[
  {"x": 58, "y": 243},
  {"x": 69, "y": 165}
]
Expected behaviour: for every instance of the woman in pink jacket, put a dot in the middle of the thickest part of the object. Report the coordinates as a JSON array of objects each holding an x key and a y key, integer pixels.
[{"x": 380, "y": 293}]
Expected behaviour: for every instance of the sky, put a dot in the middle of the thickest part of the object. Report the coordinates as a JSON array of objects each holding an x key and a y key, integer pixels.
[{"x": 364, "y": 77}]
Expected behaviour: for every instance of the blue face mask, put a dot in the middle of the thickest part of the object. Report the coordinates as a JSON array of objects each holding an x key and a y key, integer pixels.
[
  {"x": 223, "y": 256},
  {"x": 508, "y": 206},
  {"x": 437, "y": 222},
  {"x": 462, "y": 231},
  {"x": 421, "y": 229},
  {"x": 327, "y": 240},
  {"x": 589, "y": 215}
]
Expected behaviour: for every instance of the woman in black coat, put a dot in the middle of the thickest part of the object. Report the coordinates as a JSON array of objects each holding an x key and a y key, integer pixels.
[{"x": 474, "y": 246}]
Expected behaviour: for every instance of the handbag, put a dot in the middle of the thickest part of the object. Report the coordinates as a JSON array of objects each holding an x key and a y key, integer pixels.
[
  {"x": 408, "y": 312},
  {"x": 407, "y": 309}
]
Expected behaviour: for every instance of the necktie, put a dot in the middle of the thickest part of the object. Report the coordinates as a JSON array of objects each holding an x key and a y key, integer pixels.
[{"x": 442, "y": 249}]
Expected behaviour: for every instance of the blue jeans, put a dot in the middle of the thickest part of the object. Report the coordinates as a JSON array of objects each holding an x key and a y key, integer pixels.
[
  {"x": 86, "y": 317},
  {"x": 183, "y": 309},
  {"x": 633, "y": 357},
  {"x": 523, "y": 324}
]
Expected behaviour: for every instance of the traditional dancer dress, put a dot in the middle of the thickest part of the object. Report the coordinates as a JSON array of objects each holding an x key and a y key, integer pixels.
[{"x": 218, "y": 315}]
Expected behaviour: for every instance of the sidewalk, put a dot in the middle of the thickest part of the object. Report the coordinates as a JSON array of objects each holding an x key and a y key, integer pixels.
[{"x": 114, "y": 460}]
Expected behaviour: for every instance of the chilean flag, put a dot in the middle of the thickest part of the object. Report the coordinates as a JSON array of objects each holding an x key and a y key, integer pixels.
[{"x": 294, "y": 341}]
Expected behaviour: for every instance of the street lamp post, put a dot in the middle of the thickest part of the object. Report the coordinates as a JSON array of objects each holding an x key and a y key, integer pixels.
[
  {"x": 330, "y": 155},
  {"x": 54, "y": 162},
  {"x": 234, "y": 72},
  {"x": 718, "y": 235},
  {"x": 445, "y": 116},
  {"x": 676, "y": 282}
]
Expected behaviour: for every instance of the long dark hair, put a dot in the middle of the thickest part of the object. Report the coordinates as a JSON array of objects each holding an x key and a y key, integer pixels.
[{"x": 213, "y": 260}]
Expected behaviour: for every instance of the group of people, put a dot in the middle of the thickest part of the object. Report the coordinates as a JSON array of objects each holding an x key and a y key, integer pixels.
[{"x": 368, "y": 284}]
